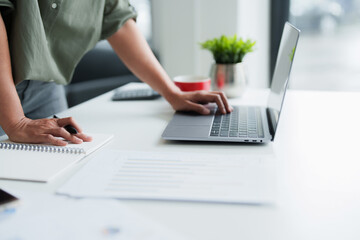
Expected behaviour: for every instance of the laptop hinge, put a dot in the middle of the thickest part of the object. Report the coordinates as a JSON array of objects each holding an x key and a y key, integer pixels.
[{"x": 271, "y": 122}]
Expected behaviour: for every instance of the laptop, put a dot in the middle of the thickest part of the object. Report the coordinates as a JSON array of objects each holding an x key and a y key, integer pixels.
[{"x": 253, "y": 124}]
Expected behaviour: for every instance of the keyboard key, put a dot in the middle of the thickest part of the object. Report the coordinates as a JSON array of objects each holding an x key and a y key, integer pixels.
[
  {"x": 224, "y": 134},
  {"x": 233, "y": 134}
]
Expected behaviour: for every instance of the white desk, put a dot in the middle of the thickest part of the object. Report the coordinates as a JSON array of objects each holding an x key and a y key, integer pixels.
[{"x": 317, "y": 151}]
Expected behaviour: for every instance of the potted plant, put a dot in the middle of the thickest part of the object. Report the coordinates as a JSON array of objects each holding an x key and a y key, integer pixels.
[{"x": 227, "y": 73}]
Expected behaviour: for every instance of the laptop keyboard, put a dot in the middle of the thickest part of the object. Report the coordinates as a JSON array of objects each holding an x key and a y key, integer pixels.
[{"x": 243, "y": 122}]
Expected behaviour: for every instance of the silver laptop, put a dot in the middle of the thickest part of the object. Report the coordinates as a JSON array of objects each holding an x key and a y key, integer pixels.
[{"x": 246, "y": 123}]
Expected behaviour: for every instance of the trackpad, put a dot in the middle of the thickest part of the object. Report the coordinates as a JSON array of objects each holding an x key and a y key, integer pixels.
[
  {"x": 187, "y": 131},
  {"x": 187, "y": 119}
]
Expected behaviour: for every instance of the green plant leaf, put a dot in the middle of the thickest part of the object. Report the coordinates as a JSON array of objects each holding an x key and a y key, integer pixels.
[{"x": 228, "y": 49}]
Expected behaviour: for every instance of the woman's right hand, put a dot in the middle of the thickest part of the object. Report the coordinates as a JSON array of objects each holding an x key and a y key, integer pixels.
[{"x": 50, "y": 131}]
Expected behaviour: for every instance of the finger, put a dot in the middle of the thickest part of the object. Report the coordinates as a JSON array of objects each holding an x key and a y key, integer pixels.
[
  {"x": 50, "y": 139},
  {"x": 47, "y": 139},
  {"x": 212, "y": 97},
  {"x": 197, "y": 108},
  {"x": 225, "y": 101},
  {"x": 68, "y": 121},
  {"x": 84, "y": 137},
  {"x": 61, "y": 132}
]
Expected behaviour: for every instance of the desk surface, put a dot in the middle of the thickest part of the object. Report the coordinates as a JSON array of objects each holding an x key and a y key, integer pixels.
[{"x": 317, "y": 164}]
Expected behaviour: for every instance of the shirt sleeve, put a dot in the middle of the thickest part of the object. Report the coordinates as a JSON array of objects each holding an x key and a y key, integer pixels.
[
  {"x": 6, "y": 6},
  {"x": 116, "y": 13}
]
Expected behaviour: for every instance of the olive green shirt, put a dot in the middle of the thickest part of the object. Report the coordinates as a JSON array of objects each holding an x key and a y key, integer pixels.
[{"x": 47, "y": 38}]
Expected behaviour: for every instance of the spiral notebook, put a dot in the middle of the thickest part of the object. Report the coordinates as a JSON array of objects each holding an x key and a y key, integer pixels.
[{"x": 40, "y": 162}]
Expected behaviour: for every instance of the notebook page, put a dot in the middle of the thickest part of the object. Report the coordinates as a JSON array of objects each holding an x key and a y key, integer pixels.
[
  {"x": 43, "y": 166},
  {"x": 34, "y": 166},
  {"x": 175, "y": 176}
]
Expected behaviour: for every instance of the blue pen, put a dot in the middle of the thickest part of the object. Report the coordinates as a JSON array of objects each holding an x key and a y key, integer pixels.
[{"x": 8, "y": 204}]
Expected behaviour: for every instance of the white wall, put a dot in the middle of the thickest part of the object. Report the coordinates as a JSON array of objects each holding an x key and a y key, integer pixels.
[{"x": 178, "y": 27}]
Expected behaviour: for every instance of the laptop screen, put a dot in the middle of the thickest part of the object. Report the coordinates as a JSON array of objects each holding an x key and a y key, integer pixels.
[{"x": 281, "y": 75}]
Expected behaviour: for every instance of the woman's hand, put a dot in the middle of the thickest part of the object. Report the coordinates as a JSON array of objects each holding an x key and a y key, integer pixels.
[
  {"x": 49, "y": 131},
  {"x": 194, "y": 101}
]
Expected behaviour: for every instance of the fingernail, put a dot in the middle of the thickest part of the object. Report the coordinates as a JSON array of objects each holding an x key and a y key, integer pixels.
[
  {"x": 206, "y": 111},
  {"x": 88, "y": 138}
]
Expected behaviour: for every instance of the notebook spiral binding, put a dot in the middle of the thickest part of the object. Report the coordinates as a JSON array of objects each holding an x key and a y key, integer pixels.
[{"x": 40, "y": 148}]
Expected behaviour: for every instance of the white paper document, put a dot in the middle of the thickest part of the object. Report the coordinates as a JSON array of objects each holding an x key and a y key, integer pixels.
[
  {"x": 175, "y": 176},
  {"x": 45, "y": 216}
]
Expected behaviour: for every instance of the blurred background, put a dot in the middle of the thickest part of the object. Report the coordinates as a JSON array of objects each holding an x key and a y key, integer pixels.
[
  {"x": 329, "y": 50},
  {"x": 328, "y": 55}
]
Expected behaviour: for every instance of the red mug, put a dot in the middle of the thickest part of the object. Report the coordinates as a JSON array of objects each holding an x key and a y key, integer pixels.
[{"x": 192, "y": 83}]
